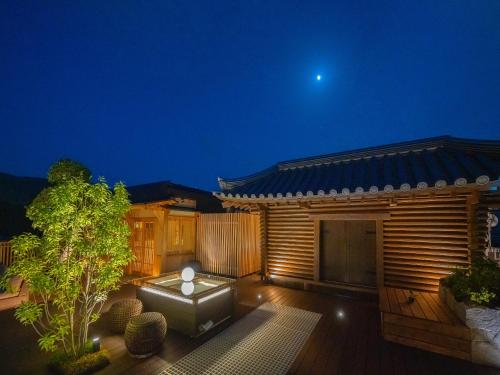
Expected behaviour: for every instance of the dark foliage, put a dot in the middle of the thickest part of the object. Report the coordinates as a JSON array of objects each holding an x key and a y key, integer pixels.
[
  {"x": 480, "y": 284},
  {"x": 15, "y": 194},
  {"x": 65, "y": 169}
]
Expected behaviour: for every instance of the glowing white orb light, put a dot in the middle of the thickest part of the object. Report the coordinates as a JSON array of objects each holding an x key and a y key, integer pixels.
[
  {"x": 340, "y": 314},
  {"x": 187, "y": 288},
  {"x": 318, "y": 77},
  {"x": 187, "y": 274}
]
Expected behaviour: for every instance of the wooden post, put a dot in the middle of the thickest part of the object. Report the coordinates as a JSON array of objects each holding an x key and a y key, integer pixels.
[
  {"x": 263, "y": 240},
  {"x": 474, "y": 245},
  {"x": 380, "y": 253},
  {"x": 317, "y": 235}
]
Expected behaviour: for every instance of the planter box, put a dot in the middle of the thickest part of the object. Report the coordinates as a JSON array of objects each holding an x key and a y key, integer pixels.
[
  {"x": 484, "y": 324},
  {"x": 447, "y": 297}
]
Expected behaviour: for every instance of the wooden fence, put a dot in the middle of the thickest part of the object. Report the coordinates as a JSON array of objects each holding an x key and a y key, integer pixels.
[
  {"x": 229, "y": 243},
  {"x": 6, "y": 254}
]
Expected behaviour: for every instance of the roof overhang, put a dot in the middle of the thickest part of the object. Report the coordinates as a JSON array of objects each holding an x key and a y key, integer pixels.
[{"x": 482, "y": 184}]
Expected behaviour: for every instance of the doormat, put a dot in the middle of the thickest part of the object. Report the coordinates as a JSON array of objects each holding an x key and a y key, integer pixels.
[{"x": 266, "y": 341}]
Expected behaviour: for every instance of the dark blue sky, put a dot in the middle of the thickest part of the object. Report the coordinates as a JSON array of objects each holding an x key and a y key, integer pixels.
[{"x": 145, "y": 91}]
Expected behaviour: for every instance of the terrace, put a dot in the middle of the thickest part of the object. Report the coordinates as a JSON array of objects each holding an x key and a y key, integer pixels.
[
  {"x": 346, "y": 340},
  {"x": 370, "y": 264}
]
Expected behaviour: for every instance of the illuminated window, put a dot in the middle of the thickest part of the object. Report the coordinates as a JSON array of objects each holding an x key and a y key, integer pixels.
[{"x": 181, "y": 234}]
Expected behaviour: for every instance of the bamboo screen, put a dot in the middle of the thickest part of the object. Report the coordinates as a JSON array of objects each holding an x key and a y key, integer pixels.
[{"x": 229, "y": 243}]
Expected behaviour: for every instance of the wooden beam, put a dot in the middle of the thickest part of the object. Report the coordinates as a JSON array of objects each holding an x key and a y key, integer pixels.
[
  {"x": 153, "y": 205},
  {"x": 474, "y": 198},
  {"x": 262, "y": 206},
  {"x": 263, "y": 239},
  {"x": 364, "y": 216},
  {"x": 305, "y": 205},
  {"x": 380, "y": 252},
  {"x": 227, "y": 204},
  {"x": 317, "y": 234}
]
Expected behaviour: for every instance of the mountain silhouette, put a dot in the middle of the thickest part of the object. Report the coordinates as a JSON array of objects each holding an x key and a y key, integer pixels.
[{"x": 15, "y": 194}]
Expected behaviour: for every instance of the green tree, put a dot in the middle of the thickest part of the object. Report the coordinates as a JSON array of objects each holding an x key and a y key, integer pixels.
[{"x": 76, "y": 259}]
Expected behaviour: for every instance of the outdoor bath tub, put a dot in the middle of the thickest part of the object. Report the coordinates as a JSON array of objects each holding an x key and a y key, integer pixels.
[{"x": 191, "y": 308}]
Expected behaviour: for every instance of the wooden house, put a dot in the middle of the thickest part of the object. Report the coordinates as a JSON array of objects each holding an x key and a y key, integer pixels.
[
  {"x": 402, "y": 215},
  {"x": 163, "y": 221}
]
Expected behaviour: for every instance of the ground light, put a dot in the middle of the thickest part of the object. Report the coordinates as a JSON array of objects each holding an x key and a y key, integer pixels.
[{"x": 96, "y": 344}]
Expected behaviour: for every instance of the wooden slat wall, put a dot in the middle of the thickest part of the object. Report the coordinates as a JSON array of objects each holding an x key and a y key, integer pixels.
[
  {"x": 6, "y": 253},
  {"x": 229, "y": 243},
  {"x": 290, "y": 241},
  {"x": 425, "y": 239}
]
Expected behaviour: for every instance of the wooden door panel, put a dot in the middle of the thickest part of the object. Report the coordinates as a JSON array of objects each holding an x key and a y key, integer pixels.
[
  {"x": 333, "y": 251},
  {"x": 348, "y": 251},
  {"x": 361, "y": 252}
]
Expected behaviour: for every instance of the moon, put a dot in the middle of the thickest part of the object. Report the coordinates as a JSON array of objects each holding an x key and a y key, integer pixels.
[{"x": 318, "y": 77}]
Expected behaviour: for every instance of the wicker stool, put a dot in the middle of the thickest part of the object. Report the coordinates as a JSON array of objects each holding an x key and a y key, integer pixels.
[
  {"x": 121, "y": 312},
  {"x": 145, "y": 334}
]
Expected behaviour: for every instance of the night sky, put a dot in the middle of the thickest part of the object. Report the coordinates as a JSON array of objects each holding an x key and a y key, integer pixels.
[{"x": 185, "y": 91}]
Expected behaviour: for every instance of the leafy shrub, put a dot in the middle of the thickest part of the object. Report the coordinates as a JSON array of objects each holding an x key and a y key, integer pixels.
[
  {"x": 458, "y": 282},
  {"x": 480, "y": 284},
  {"x": 73, "y": 259},
  {"x": 484, "y": 297}
]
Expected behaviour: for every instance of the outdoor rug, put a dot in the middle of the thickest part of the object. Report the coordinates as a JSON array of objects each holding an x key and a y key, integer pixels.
[{"x": 266, "y": 341}]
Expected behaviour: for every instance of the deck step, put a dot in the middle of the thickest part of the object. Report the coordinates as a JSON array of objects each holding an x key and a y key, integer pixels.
[
  {"x": 428, "y": 347},
  {"x": 426, "y": 323}
]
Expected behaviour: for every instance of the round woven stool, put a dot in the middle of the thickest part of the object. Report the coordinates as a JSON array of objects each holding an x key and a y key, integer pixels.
[
  {"x": 121, "y": 312},
  {"x": 145, "y": 334}
]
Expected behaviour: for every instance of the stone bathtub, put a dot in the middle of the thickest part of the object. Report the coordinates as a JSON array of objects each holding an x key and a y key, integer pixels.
[{"x": 189, "y": 307}]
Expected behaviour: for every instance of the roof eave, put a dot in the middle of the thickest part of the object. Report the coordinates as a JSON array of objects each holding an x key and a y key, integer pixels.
[{"x": 356, "y": 194}]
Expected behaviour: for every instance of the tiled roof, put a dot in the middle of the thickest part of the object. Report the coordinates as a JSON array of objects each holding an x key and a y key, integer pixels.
[
  {"x": 427, "y": 163},
  {"x": 165, "y": 190}
]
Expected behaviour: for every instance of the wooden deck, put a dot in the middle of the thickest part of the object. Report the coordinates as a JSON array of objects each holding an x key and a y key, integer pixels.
[
  {"x": 426, "y": 323},
  {"x": 347, "y": 340}
]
